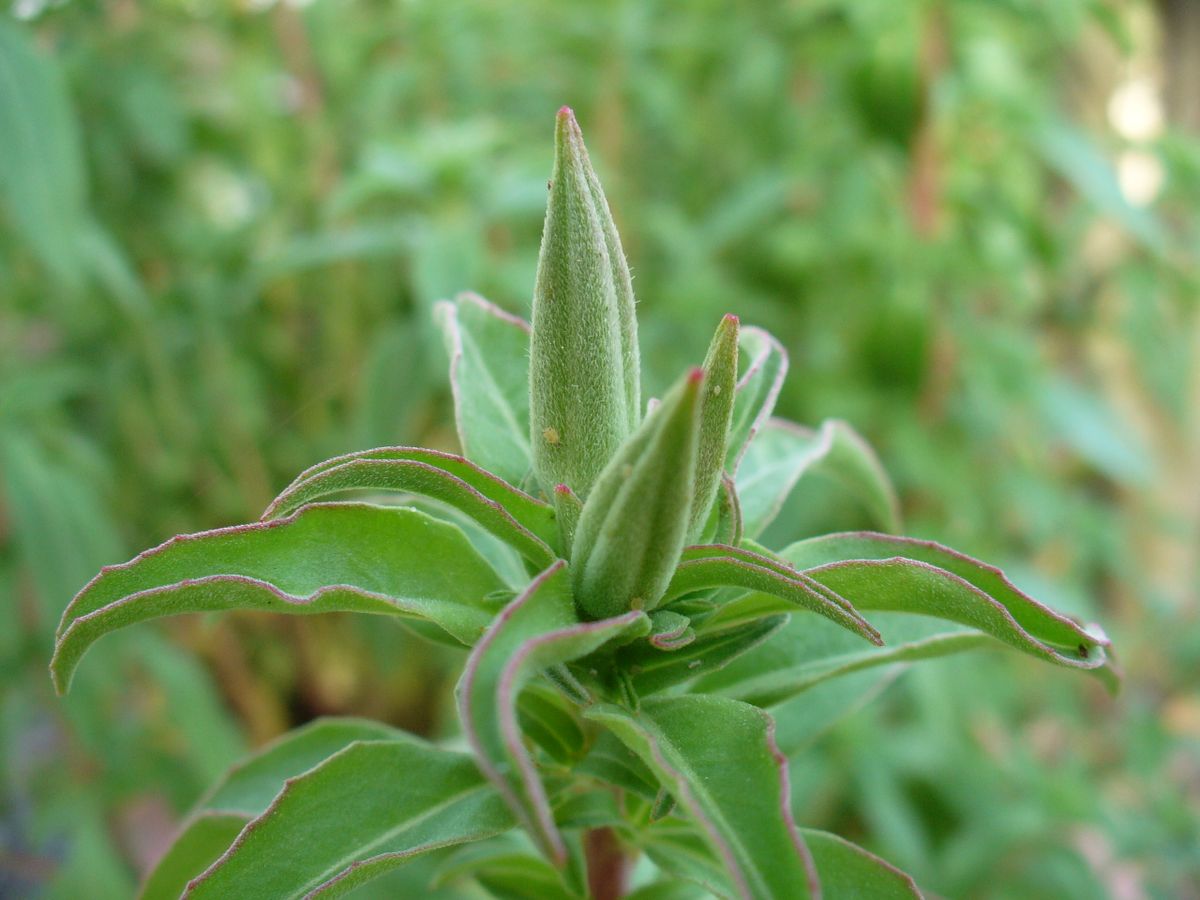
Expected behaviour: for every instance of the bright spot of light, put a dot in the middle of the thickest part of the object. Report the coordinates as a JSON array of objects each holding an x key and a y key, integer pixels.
[
  {"x": 1141, "y": 176},
  {"x": 1135, "y": 110}
]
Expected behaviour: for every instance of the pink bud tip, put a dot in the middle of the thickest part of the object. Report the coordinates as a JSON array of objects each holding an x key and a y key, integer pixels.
[
  {"x": 732, "y": 319},
  {"x": 561, "y": 489},
  {"x": 566, "y": 112},
  {"x": 696, "y": 375}
]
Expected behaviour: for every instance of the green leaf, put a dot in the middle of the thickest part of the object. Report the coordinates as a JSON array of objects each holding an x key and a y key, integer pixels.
[
  {"x": 783, "y": 452},
  {"x": 669, "y": 630},
  {"x": 1081, "y": 163},
  {"x": 249, "y": 787},
  {"x": 613, "y": 763},
  {"x": 883, "y": 572},
  {"x": 365, "y": 810},
  {"x": 652, "y": 670},
  {"x": 547, "y": 717},
  {"x": 764, "y": 365},
  {"x": 205, "y": 837},
  {"x": 325, "y": 558},
  {"x": 537, "y": 630},
  {"x": 850, "y": 872},
  {"x": 246, "y": 791},
  {"x": 505, "y": 869},
  {"x": 716, "y": 411},
  {"x": 584, "y": 382},
  {"x": 43, "y": 183},
  {"x": 634, "y": 524},
  {"x": 489, "y": 375},
  {"x": 511, "y": 515},
  {"x": 719, "y": 760},
  {"x": 778, "y": 587},
  {"x": 806, "y": 654}
]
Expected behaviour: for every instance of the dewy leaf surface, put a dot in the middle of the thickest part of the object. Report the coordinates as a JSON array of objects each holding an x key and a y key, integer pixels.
[
  {"x": 365, "y": 810},
  {"x": 246, "y": 791},
  {"x": 506, "y": 512},
  {"x": 764, "y": 366},
  {"x": 718, "y": 759},
  {"x": 538, "y": 629},
  {"x": 783, "y": 452},
  {"x": 881, "y": 572},
  {"x": 584, "y": 381},
  {"x": 489, "y": 376},
  {"x": 342, "y": 557}
]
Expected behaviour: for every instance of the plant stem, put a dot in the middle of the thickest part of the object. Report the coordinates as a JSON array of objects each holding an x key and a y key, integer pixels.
[{"x": 607, "y": 866}]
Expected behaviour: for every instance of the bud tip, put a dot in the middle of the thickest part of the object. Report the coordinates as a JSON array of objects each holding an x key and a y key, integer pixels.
[
  {"x": 695, "y": 375},
  {"x": 732, "y": 319}
]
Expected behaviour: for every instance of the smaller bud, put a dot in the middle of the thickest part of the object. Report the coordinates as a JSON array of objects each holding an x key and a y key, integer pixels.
[
  {"x": 716, "y": 411},
  {"x": 634, "y": 524}
]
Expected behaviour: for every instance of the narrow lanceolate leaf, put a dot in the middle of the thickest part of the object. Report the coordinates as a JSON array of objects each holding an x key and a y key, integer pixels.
[
  {"x": 718, "y": 758},
  {"x": 245, "y": 792},
  {"x": 877, "y": 571},
  {"x": 634, "y": 525},
  {"x": 764, "y": 365},
  {"x": 716, "y": 410},
  {"x": 806, "y": 654},
  {"x": 784, "y": 452},
  {"x": 326, "y": 558},
  {"x": 489, "y": 376},
  {"x": 508, "y": 513},
  {"x": 583, "y": 374},
  {"x": 778, "y": 588},
  {"x": 537, "y": 630},
  {"x": 363, "y": 811},
  {"x": 847, "y": 870}
]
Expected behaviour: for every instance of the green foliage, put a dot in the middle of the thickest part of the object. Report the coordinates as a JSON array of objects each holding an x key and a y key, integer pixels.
[
  {"x": 579, "y": 632},
  {"x": 223, "y": 230}
]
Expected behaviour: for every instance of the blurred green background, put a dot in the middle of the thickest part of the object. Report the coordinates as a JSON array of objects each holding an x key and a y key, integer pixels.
[{"x": 973, "y": 223}]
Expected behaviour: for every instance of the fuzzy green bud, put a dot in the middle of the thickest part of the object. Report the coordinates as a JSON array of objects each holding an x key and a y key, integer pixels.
[{"x": 584, "y": 384}]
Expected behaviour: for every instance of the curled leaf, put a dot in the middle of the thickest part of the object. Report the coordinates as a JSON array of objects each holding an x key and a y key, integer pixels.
[
  {"x": 340, "y": 557},
  {"x": 716, "y": 566},
  {"x": 537, "y": 630},
  {"x": 508, "y": 513},
  {"x": 883, "y": 572}
]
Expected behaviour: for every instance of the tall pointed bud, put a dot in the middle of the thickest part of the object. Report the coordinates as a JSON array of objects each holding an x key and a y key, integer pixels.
[
  {"x": 634, "y": 524},
  {"x": 716, "y": 411},
  {"x": 584, "y": 383}
]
